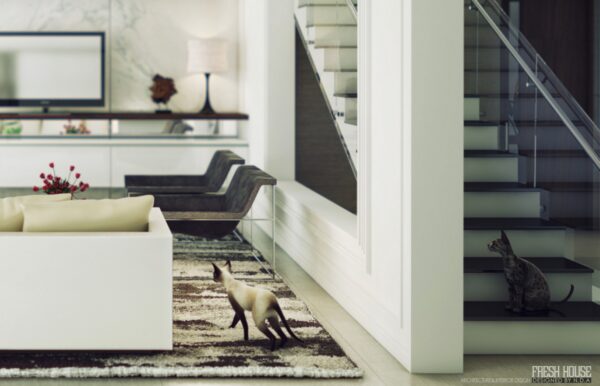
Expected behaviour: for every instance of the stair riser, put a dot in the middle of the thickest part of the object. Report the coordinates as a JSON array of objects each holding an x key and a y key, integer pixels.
[
  {"x": 345, "y": 83},
  {"x": 499, "y": 338},
  {"x": 327, "y": 15},
  {"x": 526, "y": 243},
  {"x": 472, "y": 109},
  {"x": 340, "y": 59},
  {"x": 349, "y": 107},
  {"x": 493, "y": 286},
  {"x": 491, "y": 169},
  {"x": 481, "y": 36},
  {"x": 327, "y": 35},
  {"x": 502, "y": 204},
  {"x": 482, "y": 138},
  {"x": 319, "y": 2}
]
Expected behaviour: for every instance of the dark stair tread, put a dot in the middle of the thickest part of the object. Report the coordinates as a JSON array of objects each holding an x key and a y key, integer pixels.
[
  {"x": 546, "y": 264},
  {"x": 485, "y": 46},
  {"x": 560, "y": 153},
  {"x": 587, "y": 223},
  {"x": 489, "y": 223},
  {"x": 493, "y": 70},
  {"x": 346, "y": 95},
  {"x": 482, "y": 123},
  {"x": 521, "y": 124},
  {"x": 507, "y": 95},
  {"x": 569, "y": 186},
  {"x": 323, "y": 46},
  {"x": 328, "y": 5},
  {"x": 499, "y": 187},
  {"x": 310, "y": 25},
  {"x": 339, "y": 70},
  {"x": 495, "y": 312},
  {"x": 489, "y": 154}
]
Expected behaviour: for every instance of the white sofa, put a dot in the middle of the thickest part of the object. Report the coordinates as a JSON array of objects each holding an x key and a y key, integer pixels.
[{"x": 87, "y": 291}]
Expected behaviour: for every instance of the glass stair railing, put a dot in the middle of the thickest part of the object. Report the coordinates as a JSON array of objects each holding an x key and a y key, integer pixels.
[
  {"x": 329, "y": 32},
  {"x": 507, "y": 82},
  {"x": 532, "y": 169}
]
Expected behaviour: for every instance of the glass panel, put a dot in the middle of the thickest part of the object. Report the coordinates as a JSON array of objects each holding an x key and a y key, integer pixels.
[
  {"x": 94, "y": 129},
  {"x": 556, "y": 142}
]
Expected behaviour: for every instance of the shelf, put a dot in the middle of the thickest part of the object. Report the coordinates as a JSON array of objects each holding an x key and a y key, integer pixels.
[{"x": 125, "y": 115}]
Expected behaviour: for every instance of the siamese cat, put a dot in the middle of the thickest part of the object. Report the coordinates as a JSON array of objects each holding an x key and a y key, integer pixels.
[
  {"x": 262, "y": 303},
  {"x": 528, "y": 289}
]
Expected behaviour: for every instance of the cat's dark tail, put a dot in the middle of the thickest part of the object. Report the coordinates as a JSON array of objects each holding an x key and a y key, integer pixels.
[
  {"x": 568, "y": 295},
  {"x": 285, "y": 323}
]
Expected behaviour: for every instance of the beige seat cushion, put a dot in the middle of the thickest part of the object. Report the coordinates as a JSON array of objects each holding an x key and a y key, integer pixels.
[
  {"x": 11, "y": 212},
  {"x": 122, "y": 215}
]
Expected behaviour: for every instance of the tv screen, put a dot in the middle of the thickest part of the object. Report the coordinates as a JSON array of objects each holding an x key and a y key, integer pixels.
[{"x": 52, "y": 69}]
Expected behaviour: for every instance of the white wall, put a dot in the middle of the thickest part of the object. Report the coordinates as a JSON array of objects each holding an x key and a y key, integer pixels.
[
  {"x": 405, "y": 288},
  {"x": 436, "y": 131},
  {"x": 267, "y": 70}
]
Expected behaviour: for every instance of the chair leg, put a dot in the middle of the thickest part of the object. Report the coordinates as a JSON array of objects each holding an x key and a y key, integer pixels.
[{"x": 273, "y": 224}]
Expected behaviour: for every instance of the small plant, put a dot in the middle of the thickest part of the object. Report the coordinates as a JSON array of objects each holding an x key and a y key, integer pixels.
[
  {"x": 70, "y": 128},
  {"x": 53, "y": 184}
]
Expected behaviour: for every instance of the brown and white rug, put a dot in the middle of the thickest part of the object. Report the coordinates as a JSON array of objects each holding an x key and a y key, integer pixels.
[{"x": 204, "y": 345}]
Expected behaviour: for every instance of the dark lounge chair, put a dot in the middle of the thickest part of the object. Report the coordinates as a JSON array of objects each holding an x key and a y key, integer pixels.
[
  {"x": 214, "y": 215},
  {"x": 216, "y": 174}
]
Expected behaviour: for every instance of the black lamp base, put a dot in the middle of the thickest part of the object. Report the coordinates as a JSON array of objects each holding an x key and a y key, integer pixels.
[{"x": 207, "y": 109}]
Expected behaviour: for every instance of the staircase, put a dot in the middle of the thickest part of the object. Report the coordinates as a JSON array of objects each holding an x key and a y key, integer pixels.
[
  {"x": 328, "y": 30},
  {"x": 525, "y": 173}
]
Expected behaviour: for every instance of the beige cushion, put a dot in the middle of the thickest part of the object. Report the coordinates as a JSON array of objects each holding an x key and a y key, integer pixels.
[
  {"x": 11, "y": 213},
  {"x": 122, "y": 215}
]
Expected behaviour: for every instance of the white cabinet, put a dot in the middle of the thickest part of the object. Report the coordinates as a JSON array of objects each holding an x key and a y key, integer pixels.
[{"x": 105, "y": 162}]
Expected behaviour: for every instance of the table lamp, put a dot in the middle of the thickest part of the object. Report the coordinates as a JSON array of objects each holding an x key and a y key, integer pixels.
[{"x": 207, "y": 56}]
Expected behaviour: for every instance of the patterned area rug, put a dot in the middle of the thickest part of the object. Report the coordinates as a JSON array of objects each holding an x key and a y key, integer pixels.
[{"x": 204, "y": 345}]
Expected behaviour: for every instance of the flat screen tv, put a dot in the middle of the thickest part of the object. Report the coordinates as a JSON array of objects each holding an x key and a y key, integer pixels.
[{"x": 52, "y": 69}]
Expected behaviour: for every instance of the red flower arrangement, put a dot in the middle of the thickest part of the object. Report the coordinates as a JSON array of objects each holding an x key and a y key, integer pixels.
[{"x": 54, "y": 184}]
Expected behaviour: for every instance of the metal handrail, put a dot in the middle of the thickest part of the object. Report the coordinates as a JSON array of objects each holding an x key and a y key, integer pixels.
[{"x": 587, "y": 147}]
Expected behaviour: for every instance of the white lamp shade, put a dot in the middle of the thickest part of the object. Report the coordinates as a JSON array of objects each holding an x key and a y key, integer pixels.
[{"x": 207, "y": 56}]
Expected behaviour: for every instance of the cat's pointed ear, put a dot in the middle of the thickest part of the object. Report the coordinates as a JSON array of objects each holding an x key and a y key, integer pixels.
[
  {"x": 505, "y": 237},
  {"x": 228, "y": 265},
  {"x": 216, "y": 269}
]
